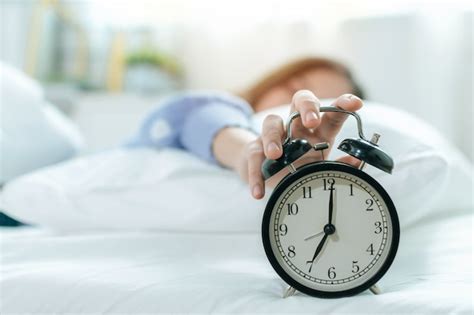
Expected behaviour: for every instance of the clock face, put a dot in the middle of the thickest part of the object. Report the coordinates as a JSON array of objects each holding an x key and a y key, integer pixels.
[{"x": 330, "y": 230}]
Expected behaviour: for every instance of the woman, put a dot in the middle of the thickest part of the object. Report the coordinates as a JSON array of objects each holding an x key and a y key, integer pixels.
[{"x": 216, "y": 126}]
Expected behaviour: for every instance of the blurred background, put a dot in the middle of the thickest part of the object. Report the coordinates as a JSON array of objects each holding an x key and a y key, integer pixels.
[{"x": 104, "y": 63}]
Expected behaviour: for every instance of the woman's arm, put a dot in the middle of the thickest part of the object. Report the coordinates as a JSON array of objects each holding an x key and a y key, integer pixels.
[{"x": 229, "y": 143}]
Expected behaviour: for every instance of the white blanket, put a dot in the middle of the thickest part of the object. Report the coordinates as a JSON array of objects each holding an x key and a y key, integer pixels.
[{"x": 151, "y": 272}]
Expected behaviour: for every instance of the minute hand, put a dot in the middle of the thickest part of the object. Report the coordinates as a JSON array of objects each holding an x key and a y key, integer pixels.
[{"x": 331, "y": 204}]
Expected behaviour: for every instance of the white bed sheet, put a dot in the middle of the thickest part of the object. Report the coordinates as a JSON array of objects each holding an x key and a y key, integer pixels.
[{"x": 151, "y": 272}]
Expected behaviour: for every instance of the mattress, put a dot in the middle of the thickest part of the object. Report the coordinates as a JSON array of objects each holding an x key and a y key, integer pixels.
[{"x": 187, "y": 272}]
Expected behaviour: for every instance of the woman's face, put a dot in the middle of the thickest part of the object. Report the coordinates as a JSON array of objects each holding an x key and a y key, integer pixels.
[{"x": 324, "y": 83}]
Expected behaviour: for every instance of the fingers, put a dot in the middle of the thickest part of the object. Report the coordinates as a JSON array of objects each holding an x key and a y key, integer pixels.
[
  {"x": 255, "y": 159},
  {"x": 307, "y": 104},
  {"x": 350, "y": 160},
  {"x": 270, "y": 144},
  {"x": 331, "y": 123},
  {"x": 272, "y": 135}
]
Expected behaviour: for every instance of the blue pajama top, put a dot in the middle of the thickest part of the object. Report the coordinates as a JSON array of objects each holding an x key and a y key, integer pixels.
[{"x": 191, "y": 120}]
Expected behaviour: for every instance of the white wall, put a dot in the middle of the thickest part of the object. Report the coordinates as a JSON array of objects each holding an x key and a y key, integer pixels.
[{"x": 418, "y": 64}]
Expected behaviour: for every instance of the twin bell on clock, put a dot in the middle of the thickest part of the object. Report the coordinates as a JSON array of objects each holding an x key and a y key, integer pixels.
[{"x": 329, "y": 229}]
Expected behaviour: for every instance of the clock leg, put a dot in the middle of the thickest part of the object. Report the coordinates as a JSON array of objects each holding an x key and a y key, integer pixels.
[
  {"x": 375, "y": 289},
  {"x": 289, "y": 292}
]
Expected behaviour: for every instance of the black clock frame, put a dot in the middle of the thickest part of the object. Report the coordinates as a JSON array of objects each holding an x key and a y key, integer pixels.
[{"x": 318, "y": 167}]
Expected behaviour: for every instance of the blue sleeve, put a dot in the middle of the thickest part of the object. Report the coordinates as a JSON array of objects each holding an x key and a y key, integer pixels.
[{"x": 190, "y": 121}]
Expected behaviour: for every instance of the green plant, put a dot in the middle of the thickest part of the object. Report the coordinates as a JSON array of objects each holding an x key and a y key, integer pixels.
[{"x": 154, "y": 58}]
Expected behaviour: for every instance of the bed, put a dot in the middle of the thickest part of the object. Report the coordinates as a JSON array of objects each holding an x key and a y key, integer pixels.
[
  {"x": 111, "y": 233},
  {"x": 217, "y": 272}
]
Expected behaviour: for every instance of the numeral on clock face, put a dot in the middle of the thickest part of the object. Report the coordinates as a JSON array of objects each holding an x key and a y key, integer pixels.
[
  {"x": 292, "y": 209},
  {"x": 370, "y": 249},
  {"x": 307, "y": 192},
  {"x": 355, "y": 266},
  {"x": 291, "y": 251},
  {"x": 328, "y": 183},
  {"x": 332, "y": 273},
  {"x": 378, "y": 227},
  {"x": 369, "y": 203}
]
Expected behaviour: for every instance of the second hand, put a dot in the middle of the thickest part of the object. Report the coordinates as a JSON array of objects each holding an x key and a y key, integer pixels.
[{"x": 314, "y": 235}]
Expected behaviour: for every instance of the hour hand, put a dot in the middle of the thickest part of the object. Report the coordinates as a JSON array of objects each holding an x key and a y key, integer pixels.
[{"x": 320, "y": 247}]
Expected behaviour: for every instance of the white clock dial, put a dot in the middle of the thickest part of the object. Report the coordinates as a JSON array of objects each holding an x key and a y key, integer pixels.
[{"x": 357, "y": 239}]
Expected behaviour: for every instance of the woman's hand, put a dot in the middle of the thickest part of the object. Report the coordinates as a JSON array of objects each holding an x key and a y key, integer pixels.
[{"x": 311, "y": 126}]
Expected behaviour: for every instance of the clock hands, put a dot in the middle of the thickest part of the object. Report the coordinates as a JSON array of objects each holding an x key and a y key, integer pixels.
[
  {"x": 314, "y": 235},
  {"x": 328, "y": 229},
  {"x": 331, "y": 204},
  {"x": 318, "y": 250}
]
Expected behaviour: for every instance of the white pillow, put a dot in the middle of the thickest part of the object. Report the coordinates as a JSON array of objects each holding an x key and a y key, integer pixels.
[
  {"x": 134, "y": 188},
  {"x": 172, "y": 190},
  {"x": 33, "y": 133}
]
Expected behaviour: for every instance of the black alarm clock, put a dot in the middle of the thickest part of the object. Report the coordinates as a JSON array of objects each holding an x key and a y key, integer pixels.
[{"x": 329, "y": 229}]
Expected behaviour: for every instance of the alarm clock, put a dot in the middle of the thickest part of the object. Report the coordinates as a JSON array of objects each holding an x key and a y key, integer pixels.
[{"x": 329, "y": 229}]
